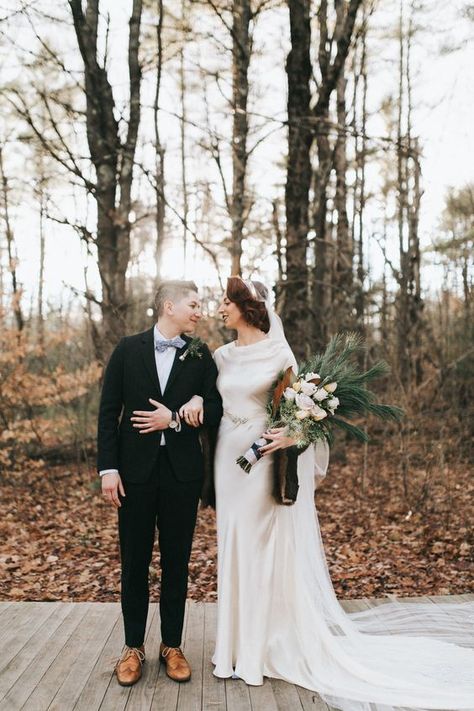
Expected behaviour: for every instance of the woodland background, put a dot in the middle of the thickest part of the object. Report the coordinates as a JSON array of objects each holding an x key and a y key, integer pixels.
[{"x": 198, "y": 138}]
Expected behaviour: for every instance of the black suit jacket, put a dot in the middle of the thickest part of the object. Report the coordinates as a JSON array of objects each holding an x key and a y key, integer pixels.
[{"x": 130, "y": 379}]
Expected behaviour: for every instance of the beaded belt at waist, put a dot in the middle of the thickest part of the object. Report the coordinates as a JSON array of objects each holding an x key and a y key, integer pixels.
[{"x": 243, "y": 420}]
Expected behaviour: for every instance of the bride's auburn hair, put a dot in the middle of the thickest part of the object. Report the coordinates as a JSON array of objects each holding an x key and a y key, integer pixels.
[{"x": 250, "y": 300}]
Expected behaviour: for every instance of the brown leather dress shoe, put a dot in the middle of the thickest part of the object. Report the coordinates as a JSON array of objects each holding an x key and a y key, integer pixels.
[
  {"x": 129, "y": 666},
  {"x": 177, "y": 667}
]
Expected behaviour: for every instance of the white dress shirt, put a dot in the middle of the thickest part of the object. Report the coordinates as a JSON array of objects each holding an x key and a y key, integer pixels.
[{"x": 164, "y": 363}]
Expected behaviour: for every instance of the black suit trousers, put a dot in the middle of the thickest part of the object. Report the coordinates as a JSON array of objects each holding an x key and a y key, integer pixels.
[{"x": 170, "y": 506}]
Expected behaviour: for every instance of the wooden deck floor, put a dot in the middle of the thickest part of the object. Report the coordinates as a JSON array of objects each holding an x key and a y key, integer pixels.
[{"x": 59, "y": 656}]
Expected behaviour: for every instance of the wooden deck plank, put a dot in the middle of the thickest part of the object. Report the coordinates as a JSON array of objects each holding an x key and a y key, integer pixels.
[
  {"x": 67, "y": 663},
  {"x": 141, "y": 695},
  {"x": 464, "y": 631},
  {"x": 213, "y": 689},
  {"x": 41, "y": 637},
  {"x": 4, "y": 605},
  {"x": 262, "y": 697},
  {"x": 96, "y": 687},
  {"x": 286, "y": 695},
  {"x": 17, "y": 616},
  {"x": 311, "y": 701},
  {"x": 59, "y": 656},
  {"x": 355, "y": 605},
  {"x": 96, "y": 631},
  {"x": 237, "y": 695},
  {"x": 190, "y": 693},
  {"x": 34, "y": 672},
  {"x": 20, "y": 631},
  {"x": 6, "y": 614},
  {"x": 466, "y": 597},
  {"x": 116, "y": 697},
  {"x": 376, "y": 602},
  {"x": 165, "y": 697}
]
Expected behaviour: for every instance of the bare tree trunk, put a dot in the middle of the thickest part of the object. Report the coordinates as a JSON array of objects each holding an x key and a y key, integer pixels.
[
  {"x": 300, "y": 138},
  {"x": 281, "y": 273},
  {"x": 343, "y": 282},
  {"x": 331, "y": 71},
  {"x": 402, "y": 321},
  {"x": 361, "y": 157},
  {"x": 11, "y": 251},
  {"x": 184, "y": 181},
  {"x": 321, "y": 285},
  {"x": 93, "y": 331},
  {"x": 298, "y": 181},
  {"x": 384, "y": 311},
  {"x": 467, "y": 287},
  {"x": 409, "y": 197},
  {"x": 2, "y": 289},
  {"x": 241, "y": 52},
  {"x": 113, "y": 161},
  {"x": 159, "y": 148},
  {"x": 416, "y": 303},
  {"x": 41, "y": 263}
]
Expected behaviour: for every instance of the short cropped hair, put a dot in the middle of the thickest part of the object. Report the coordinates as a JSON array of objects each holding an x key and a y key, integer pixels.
[{"x": 172, "y": 290}]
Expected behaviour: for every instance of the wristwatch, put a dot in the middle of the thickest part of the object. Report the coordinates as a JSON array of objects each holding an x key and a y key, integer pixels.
[{"x": 174, "y": 420}]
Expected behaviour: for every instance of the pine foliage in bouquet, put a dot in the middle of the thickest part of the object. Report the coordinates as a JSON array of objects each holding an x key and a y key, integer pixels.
[{"x": 336, "y": 370}]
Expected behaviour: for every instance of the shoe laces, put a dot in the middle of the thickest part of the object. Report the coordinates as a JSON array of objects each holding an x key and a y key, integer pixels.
[
  {"x": 127, "y": 652},
  {"x": 167, "y": 650}
]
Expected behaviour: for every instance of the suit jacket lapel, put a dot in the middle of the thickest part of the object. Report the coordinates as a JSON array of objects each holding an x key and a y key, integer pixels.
[
  {"x": 148, "y": 353},
  {"x": 177, "y": 364}
]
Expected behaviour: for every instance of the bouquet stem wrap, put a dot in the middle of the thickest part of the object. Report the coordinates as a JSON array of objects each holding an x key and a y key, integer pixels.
[
  {"x": 252, "y": 455},
  {"x": 285, "y": 470},
  {"x": 285, "y": 475}
]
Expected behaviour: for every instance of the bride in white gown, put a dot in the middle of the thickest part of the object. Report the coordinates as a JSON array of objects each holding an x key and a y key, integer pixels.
[{"x": 278, "y": 615}]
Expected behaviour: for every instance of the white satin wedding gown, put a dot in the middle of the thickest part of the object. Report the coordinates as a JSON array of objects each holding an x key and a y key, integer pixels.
[{"x": 278, "y": 615}]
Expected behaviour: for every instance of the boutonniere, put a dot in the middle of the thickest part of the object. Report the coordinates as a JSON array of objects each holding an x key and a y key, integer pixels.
[{"x": 193, "y": 350}]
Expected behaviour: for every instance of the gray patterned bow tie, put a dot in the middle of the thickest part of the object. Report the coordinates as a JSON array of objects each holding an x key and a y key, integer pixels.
[{"x": 162, "y": 344}]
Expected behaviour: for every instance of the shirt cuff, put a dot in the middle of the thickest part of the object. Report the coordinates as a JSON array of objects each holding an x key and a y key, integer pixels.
[{"x": 108, "y": 471}]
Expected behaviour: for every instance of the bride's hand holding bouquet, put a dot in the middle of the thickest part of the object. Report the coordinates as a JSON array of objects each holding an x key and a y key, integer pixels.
[{"x": 301, "y": 404}]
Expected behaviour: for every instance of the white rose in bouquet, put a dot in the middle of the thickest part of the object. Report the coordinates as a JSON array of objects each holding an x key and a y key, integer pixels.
[
  {"x": 301, "y": 414},
  {"x": 330, "y": 387},
  {"x": 320, "y": 395},
  {"x": 312, "y": 376},
  {"x": 317, "y": 413},
  {"x": 304, "y": 402},
  {"x": 308, "y": 388},
  {"x": 289, "y": 394},
  {"x": 333, "y": 404}
]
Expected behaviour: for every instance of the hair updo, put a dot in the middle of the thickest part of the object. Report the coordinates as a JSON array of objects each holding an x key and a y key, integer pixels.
[{"x": 250, "y": 298}]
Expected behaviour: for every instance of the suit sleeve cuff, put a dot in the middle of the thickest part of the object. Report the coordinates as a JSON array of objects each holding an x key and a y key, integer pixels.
[{"x": 108, "y": 471}]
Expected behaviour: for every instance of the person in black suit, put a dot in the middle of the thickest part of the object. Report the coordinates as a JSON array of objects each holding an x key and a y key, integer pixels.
[{"x": 151, "y": 464}]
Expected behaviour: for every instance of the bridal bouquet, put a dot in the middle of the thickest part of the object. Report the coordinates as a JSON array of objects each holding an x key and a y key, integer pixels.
[{"x": 327, "y": 392}]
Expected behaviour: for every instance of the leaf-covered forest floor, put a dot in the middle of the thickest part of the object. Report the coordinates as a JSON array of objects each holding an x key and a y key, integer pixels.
[{"x": 59, "y": 540}]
